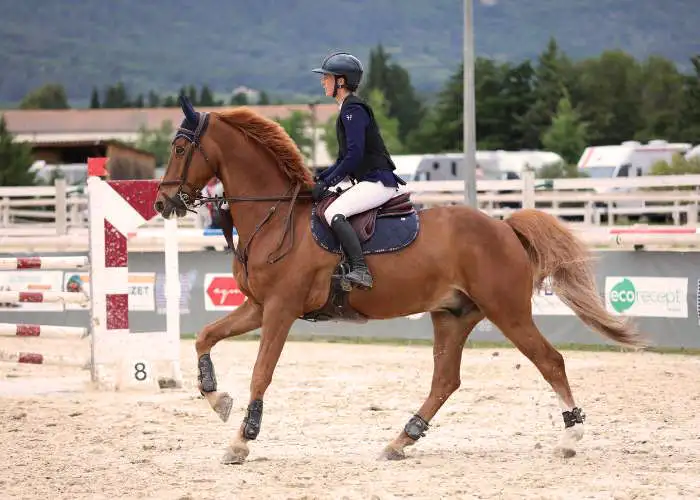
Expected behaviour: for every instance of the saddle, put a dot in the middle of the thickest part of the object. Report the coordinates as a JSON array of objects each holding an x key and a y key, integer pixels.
[{"x": 364, "y": 222}]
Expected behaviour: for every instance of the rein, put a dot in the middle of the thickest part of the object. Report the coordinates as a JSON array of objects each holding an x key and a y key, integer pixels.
[{"x": 288, "y": 228}]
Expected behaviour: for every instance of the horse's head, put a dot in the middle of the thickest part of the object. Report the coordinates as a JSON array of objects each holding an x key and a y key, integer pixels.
[{"x": 189, "y": 168}]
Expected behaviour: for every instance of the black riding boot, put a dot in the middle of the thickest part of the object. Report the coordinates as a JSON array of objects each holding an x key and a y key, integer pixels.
[{"x": 359, "y": 273}]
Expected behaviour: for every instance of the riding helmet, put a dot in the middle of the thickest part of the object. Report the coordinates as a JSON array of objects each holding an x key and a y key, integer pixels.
[{"x": 343, "y": 64}]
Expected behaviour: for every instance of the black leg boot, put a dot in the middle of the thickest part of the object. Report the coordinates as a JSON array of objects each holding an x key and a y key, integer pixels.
[
  {"x": 226, "y": 224},
  {"x": 359, "y": 273}
]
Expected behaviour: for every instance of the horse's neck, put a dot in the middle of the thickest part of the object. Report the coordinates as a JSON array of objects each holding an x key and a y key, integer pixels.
[
  {"x": 248, "y": 172},
  {"x": 249, "y": 215}
]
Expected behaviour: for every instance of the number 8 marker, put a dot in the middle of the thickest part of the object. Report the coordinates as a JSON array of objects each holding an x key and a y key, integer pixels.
[{"x": 140, "y": 372}]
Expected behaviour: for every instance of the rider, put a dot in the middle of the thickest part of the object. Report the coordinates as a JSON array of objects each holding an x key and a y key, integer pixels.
[{"x": 362, "y": 155}]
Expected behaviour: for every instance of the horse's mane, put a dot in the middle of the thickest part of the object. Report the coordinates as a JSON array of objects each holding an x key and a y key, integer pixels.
[{"x": 269, "y": 134}]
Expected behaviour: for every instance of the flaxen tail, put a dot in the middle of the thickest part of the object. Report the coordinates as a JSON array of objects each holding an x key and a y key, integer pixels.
[{"x": 554, "y": 251}]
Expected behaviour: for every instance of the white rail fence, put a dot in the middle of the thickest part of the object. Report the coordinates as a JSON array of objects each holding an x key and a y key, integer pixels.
[
  {"x": 28, "y": 215},
  {"x": 51, "y": 210},
  {"x": 587, "y": 199}
]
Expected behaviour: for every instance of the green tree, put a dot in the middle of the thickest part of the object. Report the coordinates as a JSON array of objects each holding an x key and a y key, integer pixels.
[
  {"x": 377, "y": 75},
  {"x": 678, "y": 166},
  {"x": 567, "y": 134},
  {"x": 156, "y": 141},
  {"x": 116, "y": 96},
  {"x": 15, "y": 159},
  {"x": 689, "y": 119},
  {"x": 206, "y": 98},
  {"x": 662, "y": 99},
  {"x": 192, "y": 95},
  {"x": 170, "y": 102},
  {"x": 239, "y": 99},
  {"x": 441, "y": 130},
  {"x": 560, "y": 170},
  {"x": 610, "y": 97},
  {"x": 394, "y": 82},
  {"x": 94, "y": 98},
  {"x": 49, "y": 96},
  {"x": 503, "y": 95},
  {"x": 553, "y": 75},
  {"x": 263, "y": 98},
  {"x": 328, "y": 136},
  {"x": 296, "y": 125},
  {"x": 153, "y": 100},
  {"x": 388, "y": 126}
]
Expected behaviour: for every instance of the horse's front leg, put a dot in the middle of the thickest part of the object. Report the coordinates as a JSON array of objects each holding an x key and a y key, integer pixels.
[
  {"x": 277, "y": 320},
  {"x": 244, "y": 319}
]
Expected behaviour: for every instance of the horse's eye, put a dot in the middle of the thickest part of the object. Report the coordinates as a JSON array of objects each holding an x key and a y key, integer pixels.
[{"x": 179, "y": 150}]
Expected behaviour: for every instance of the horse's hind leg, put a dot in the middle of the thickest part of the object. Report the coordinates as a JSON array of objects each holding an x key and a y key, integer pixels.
[
  {"x": 521, "y": 330},
  {"x": 244, "y": 319},
  {"x": 450, "y": 332}
]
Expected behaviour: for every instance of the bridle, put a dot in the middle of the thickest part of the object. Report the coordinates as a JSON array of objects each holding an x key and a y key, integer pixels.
[
  {"x": 182, "y": 199},
  {"x": 194, "y": 199}
]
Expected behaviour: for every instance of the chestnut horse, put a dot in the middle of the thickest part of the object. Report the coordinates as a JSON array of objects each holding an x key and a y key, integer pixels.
[{"x": 469, "y": 267}]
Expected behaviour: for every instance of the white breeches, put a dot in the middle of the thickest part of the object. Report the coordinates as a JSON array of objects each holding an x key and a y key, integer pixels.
[{"x": 362, "y": 196}]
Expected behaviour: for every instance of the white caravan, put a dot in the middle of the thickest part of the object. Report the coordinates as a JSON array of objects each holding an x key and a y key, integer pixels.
[
  {"x": 629, "y": 159},
  {"x": 490, "y": 164}
]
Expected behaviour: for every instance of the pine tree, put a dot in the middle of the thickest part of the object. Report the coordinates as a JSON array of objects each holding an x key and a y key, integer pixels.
[
  {"x": 192, "y": 95},
  {"x": 239, "y": 99},
  {"x": 206, "y": 98},
  {"x": 394, "y": 82},
  {"x": 153, "y": 100},
  {"x": 94, "y": 99},
  {"x": 263, "y": 98}
]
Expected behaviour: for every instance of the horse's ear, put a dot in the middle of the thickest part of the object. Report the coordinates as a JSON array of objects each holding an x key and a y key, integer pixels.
[{"x": 188, "y": 109}]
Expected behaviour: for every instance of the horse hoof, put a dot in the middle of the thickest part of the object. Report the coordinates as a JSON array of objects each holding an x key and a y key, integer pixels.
[
  {"x": 223, "y": 406},
  {"x": 567, "y": 445},
  {"x": 391, "y": 453},
  {"x": 235, "y": 455}
]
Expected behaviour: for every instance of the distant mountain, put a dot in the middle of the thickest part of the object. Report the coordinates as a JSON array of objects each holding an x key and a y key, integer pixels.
[{"x": 272, "y": 44}]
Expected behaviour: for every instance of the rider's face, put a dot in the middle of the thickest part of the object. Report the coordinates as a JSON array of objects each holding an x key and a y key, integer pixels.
[{"x": 328, "y": 83}]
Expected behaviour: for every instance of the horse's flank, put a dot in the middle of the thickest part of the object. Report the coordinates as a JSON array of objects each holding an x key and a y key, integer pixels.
[{"x": 271, "y": 136}]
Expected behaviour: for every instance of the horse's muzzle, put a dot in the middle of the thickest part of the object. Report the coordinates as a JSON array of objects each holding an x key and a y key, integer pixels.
[{"x": 166, "y": 206}]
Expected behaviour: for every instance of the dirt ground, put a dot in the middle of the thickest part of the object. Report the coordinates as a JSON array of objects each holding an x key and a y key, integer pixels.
[{"x": 330, "y": 411}]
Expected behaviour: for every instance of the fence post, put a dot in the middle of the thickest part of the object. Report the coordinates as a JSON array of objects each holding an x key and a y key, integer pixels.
[
  {"x": 60, "y": 208},
  {"x": 528, "y": 189},
  {"x": 5, "y": 212},
  {"x": 692, "y": 216}
]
